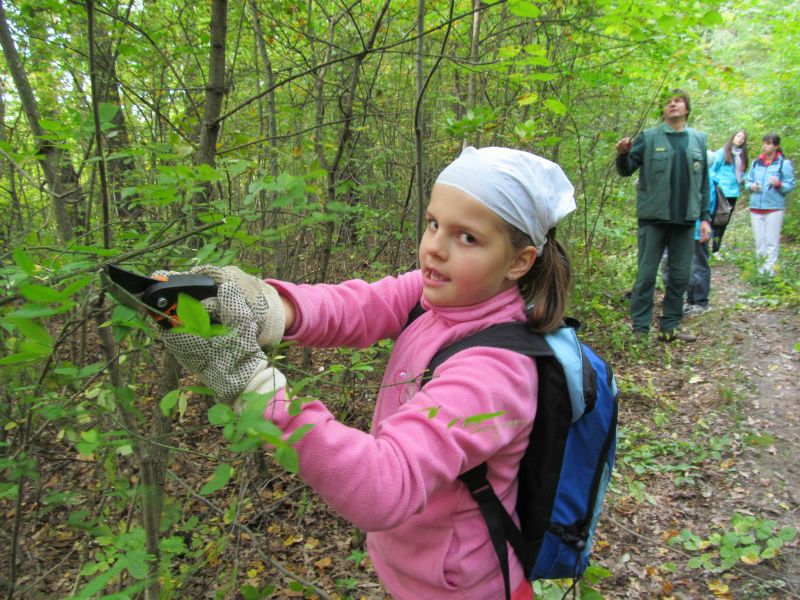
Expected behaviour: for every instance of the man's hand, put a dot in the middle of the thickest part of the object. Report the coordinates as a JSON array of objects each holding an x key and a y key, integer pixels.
[
  {"x": 705, "y": 232},
  {"x": 624, "y": 145}
]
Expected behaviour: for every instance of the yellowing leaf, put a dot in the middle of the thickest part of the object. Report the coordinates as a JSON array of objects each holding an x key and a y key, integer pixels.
[
  {"x": 324, "y": 563},
  {"x": 312, "y": 543},
  {"x": 750, "y": 559},
  {"x": 292, "y": 539}
]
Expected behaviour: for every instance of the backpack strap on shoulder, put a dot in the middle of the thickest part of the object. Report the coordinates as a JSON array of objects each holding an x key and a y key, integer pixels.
[
  {"x": 501, "y": 526},
  {"x": 511, "y": 336}
]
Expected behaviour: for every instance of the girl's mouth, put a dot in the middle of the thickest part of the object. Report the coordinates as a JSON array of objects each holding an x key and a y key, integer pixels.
[{"x": 432, "y": 277}]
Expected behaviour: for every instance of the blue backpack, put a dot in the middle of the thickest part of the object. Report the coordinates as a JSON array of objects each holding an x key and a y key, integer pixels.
[{"x": 566, "y": 469}]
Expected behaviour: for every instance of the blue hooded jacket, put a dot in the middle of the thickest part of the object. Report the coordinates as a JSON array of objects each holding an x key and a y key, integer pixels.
[
  {"x": 770, "y": 197},
  {"x": 724, "y": 175}
]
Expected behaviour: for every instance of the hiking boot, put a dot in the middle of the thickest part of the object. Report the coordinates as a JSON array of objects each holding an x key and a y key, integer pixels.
[
  {"x": 693, "y": 310},
  {"x": 671, "y": 336},
  {"x": 639, "y": 335}
]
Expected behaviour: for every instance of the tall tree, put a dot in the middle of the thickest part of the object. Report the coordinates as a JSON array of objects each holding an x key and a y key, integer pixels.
[
  {"x": 215, "y": 92},
  {"x": 62, "y": 180}
]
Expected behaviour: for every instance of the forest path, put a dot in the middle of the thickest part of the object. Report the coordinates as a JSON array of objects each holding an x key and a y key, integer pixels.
[{"x": 728, "y": 409}]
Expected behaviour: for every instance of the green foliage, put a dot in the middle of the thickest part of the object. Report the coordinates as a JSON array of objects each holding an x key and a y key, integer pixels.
[
  {"x": 643, "y": 454},
  {"x": 565, "y": 80},
  {"x": 750, "y": 540},
  {"x": 557, "y": 589}
]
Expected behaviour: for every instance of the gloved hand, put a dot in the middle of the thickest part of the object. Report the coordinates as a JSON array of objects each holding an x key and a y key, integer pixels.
[
  {"x": 226, "y": 363},
  {"x": 262, "y": 298}
]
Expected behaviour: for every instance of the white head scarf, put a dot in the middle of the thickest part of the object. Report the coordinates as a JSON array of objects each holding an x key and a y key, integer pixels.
[{"x": 527, "y": 191}]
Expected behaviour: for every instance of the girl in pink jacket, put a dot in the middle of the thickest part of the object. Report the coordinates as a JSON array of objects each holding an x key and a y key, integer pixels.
[{"x": 489, "y": 255}]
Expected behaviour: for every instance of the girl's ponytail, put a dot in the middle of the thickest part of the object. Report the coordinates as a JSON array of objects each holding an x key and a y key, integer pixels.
[{"x": 546, "y": 286}]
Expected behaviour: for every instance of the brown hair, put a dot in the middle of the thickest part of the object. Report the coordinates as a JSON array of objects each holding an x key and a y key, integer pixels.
[
  {"x": 675, "y": 93},
  {"x": 774, "y": 139},
  {"x": 546, "y": 286},
  {"x": 727, "y": 149}
]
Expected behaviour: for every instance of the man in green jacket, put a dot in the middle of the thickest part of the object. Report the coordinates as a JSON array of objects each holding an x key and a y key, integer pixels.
[{"x": 671, "y": 194}]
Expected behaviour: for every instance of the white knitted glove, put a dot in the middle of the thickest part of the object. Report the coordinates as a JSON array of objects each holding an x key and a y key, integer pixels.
[
  {"x": 261, "y": 297},
  {"x": 226, "y": 363}
]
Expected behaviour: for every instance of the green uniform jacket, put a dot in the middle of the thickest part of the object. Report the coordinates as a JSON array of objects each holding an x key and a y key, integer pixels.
[{"x": 655, "y": 156}]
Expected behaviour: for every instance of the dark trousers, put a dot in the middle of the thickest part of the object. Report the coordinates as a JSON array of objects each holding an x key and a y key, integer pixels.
[
  {"x": 652, "y": 240},
  {"x": 700, "y": 281},
  {"x": 719, "y": 230}
]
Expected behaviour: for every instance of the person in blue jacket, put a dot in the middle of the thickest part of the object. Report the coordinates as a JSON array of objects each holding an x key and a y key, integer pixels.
[
  {"x": 770, "y": 179},
  {"x": 728, "y": 169},
  {"x": 700, "y": 280}
]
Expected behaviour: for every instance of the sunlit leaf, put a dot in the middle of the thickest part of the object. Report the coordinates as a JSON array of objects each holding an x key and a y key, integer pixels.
[{"x": 222, "y": 475}]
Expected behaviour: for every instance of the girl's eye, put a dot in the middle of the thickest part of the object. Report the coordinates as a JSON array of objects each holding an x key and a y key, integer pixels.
[
  {"x": 468, "y": 239},
  {"x": 433, "y": 225}
]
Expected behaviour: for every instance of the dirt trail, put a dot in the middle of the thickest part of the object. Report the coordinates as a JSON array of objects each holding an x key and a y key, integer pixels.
[{"x": 743, "y": 376}]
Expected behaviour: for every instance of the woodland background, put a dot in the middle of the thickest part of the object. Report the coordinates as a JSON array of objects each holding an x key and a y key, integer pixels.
[{"x": 300, "y": 140}]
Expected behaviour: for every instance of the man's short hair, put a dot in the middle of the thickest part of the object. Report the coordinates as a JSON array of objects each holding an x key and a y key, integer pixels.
[{"x": 676, "y": 93}]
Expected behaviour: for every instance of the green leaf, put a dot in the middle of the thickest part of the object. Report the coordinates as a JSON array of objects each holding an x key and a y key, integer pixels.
[
  {"x": 137, "y": 563},
  {"x": 483, "y": 417},
  {"x": 20, "y": 357},
  {"x": 34, "y": 332},
  {"x": 169, "y": 401},
  {"x": 248, "y": 592},
  {"x": 24, "y": 262},
  {"x": 220, "y": 414},
  {"x": 31, "y": 347},
  {"x": 299, "y": 433},
  {"x": 173, "y": 545},
  {"x": 555, "y": 106},
  {"x": 75, "y": 286},
  {"x": 107, "y": 111},
  {"x": 39, "y": 293},
  {"x": 97, "y": 250},
  {"x": 193, "y": 317},
  {"x": 96, "y": 585},
  {"x": 287, "y": 458},
  {"x": 35, "y": 311},
  {"x": 524, "y": 8},
  {"x": 222, "y": 475}
]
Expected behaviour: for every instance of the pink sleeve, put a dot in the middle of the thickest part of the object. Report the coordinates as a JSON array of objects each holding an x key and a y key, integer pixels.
[
  {"x": 354, "y": 313},
  {"x": 379, "y": 480}
]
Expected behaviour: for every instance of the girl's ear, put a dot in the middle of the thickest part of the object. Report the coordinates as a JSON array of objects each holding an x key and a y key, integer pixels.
[{"x": 522, "y": 263}]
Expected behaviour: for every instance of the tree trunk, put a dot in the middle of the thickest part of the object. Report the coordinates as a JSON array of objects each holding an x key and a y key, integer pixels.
[
  {"x": 333, "y": 167},
  {"x": 62, "y": 181},
  {"x": 420, "y": 161},
  {"x": 215, "y": 92},
  {"x": 121, "y": 171},
  {"x": 280, "y": 268},
  {"x": 16, "y": 209},
  {"x": 472, "y": 82}
]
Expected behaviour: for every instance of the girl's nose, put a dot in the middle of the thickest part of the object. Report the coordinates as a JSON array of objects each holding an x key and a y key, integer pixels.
[{"x": 433, "y": 244}]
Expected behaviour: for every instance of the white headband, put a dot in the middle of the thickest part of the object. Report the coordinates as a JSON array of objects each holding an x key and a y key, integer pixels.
[{"x": 527, "y": 191}]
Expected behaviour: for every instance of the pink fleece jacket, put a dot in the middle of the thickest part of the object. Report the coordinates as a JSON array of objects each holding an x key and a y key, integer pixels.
[{"x": 426, "y": 536}]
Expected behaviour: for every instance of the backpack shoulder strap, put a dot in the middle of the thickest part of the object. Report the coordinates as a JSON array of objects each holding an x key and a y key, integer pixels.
[
  {"x": 415, "y": 313},
  {"x": 519, "y": 338},
  {"x": 511, "y": 336}
]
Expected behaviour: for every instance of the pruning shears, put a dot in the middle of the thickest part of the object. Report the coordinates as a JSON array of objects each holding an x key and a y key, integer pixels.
[{"x": 159, "y": 294}]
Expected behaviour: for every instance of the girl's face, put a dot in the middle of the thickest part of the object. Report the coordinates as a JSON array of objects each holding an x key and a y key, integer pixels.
[
  {"x": 768, "y": 148},
  {"x": 739, "y": 138},
  {"x": 466, "y": 254}
]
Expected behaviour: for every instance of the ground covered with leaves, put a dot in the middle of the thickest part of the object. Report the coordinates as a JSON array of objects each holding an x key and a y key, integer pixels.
[
  {"x": 706, "y": 489},
  {"x": 708, "y": 477}
]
